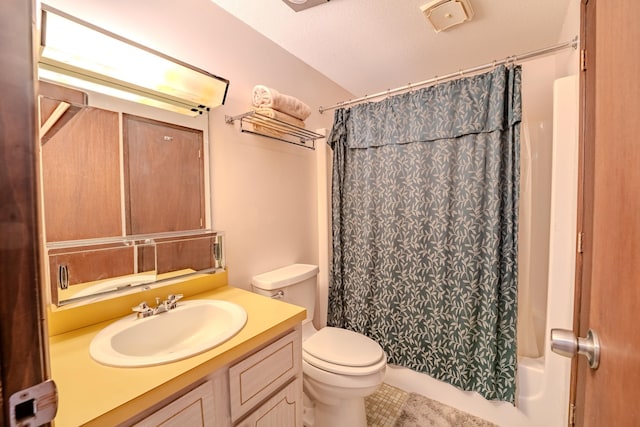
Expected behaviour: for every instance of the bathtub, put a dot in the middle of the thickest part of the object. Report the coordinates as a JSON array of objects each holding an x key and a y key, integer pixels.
[{"x": 542, "y": 383}]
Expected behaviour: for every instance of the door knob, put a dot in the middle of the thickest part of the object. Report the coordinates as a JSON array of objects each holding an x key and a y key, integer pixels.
[{"x": 565, "y": 343}]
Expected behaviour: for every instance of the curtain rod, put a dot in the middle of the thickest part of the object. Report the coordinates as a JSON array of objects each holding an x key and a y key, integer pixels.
[{"x": 510, "y": 59}]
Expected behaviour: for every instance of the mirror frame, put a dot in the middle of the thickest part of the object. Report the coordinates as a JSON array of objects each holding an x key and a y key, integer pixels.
[{"x": 201, "y": 123}]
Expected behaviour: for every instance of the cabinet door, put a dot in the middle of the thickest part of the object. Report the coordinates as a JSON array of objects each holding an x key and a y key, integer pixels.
[
  {"x": 81, "y": 175},
  {"x": 187, "y": 253},
  {"x": 164, "y": 176},
  {"x": 283, "y": 409},
  {"x": 68, "y": 268},
  {"x": 191, "y": 410},
  {"x": 260, "y": 375}
]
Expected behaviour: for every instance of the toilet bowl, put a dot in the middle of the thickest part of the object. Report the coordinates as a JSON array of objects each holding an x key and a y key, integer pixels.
[{"x": 340, "y": 367}]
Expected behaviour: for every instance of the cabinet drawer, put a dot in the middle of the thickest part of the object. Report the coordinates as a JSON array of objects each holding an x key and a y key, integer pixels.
[
  {"x": 284, "y": 409},
  {"x": 261, "y": 374},
  {"x": 195, "y": 408}
]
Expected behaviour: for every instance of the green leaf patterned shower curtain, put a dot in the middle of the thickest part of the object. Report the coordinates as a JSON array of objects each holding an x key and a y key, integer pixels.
[{"x": 424, "y": 210}]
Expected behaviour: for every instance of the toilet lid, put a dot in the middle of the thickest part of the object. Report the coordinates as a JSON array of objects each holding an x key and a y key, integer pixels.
[{"x": 343, "y": 347}]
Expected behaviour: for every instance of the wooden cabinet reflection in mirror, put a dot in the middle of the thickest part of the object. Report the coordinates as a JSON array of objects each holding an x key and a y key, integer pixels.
[{"x": 123, "y": 197}]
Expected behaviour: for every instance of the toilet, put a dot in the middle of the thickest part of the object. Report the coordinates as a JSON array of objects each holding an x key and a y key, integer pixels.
[{"x": 340, "y": 367}]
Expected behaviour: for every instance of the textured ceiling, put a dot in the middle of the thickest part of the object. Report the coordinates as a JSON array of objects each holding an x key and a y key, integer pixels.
[{"x": 369, "y": 46}]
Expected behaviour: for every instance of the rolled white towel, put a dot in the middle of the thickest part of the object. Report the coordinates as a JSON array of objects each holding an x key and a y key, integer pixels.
[
  {"x": 264, "y": 96},
  {"x": 279, "y": 115},
  {"x": 275, "y": 128}
]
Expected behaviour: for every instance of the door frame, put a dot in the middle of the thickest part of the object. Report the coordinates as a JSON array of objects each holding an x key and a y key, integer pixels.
[
  {"x": 22, "y": 324},
  {"x": 585, "y": 197}
]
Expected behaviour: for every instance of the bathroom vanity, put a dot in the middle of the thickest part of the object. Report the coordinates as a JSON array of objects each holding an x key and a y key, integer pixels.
[
  {"x": 136, "y": 237},
  {"x": 254, "y": 376},
  {"x": 125, "y": 218}
]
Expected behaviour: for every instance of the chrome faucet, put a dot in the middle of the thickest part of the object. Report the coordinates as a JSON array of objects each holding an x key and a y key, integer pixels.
[{"x": 144, "y": 310}]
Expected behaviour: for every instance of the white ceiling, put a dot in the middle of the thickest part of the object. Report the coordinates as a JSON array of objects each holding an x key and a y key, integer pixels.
[{"x": 369, "y": 46}]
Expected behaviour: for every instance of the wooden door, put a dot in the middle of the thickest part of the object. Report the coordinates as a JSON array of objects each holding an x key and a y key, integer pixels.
[
  {"x": 610, "y": 267},
  {"x": 22, "y": 355},
  {"x": 184, "y": 253},
  {"x": 81, "y": 175},
  {"x": 164, "y": 176}
]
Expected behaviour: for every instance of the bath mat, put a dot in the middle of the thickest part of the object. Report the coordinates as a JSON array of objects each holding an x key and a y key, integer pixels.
[
  {"x": 419, "y": 411},
  {"x": 392, "y": 407}
]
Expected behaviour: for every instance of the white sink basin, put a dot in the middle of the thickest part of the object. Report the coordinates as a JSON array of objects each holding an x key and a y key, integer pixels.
[{"x": 191, "y": 328}]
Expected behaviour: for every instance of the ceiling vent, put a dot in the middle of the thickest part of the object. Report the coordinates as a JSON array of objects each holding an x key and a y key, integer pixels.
[
  {"x": 444, "y": 14},
  {"x": 299, "y": 5}
]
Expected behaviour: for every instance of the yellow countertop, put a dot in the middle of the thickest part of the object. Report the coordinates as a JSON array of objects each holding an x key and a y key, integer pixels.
[{"x": 94, "y": 394}]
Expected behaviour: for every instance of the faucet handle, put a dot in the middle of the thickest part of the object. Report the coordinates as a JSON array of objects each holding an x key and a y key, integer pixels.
[
  {"x": 173, "y": 299},
  {"x": 142, "y": 309}
]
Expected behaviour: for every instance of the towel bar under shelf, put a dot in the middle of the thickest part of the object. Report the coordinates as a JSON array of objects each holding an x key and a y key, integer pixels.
[{"x": 259, "y": 124}]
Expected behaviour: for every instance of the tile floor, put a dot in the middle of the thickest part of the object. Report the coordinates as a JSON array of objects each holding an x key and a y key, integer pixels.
[{"x": 385, "y": 405}]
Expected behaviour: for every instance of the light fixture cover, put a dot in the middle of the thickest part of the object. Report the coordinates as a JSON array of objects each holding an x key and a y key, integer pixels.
[
  {"x": 443, "y": 14},
  {"x": 80, "y": 54}
]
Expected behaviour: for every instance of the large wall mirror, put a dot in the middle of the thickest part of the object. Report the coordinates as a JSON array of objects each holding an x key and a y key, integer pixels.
[{"x": 124, "y": 193}]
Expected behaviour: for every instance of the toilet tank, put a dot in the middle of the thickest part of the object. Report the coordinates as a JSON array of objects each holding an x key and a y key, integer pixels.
[{"x": 295, "y": 284}]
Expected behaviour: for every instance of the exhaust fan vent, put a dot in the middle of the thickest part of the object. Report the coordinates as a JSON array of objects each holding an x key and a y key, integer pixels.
[
  {"x": 443, "y": 14},
  {"x": 298, "y": 5}
]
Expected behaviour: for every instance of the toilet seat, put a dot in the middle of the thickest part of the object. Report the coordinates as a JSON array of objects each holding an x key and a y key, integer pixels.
[{"x": 343, "y": 352}]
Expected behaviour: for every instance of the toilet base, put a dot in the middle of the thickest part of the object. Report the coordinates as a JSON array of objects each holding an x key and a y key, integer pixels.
[
  {"x": 308, "y": 411},
  {"x": 348, "y": 413},
  {"x": 340, "y": 400}
]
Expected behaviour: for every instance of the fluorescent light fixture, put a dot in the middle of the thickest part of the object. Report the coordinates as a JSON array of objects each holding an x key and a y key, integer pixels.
[{"x": 79, "y": 54}]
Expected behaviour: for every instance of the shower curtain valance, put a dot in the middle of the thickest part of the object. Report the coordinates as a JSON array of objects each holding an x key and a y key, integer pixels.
[{"x": 477, "y": 104}]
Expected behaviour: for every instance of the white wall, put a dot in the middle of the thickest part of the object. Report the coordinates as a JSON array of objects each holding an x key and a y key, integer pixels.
[
  {"x": 263, "y": 191},
  {"x": 569, "y": 65}
]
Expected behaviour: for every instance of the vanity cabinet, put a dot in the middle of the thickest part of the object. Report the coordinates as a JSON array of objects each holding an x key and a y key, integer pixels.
[
  {"x": 256, "y": 375},
  {"x": 283, "y": 409},
  {"x": 272, "y": 375},
  {"x": 262, "y": 389},
  {"x": 193, "y": 409}
]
